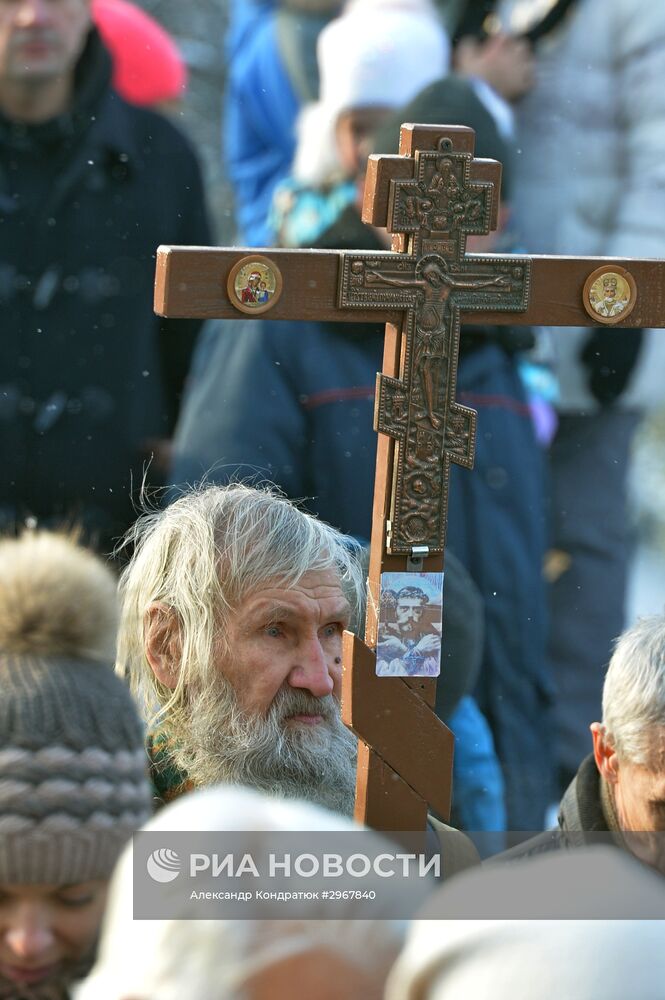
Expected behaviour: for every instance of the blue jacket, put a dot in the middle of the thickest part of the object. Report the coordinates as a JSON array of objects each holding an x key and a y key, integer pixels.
[
  {"x": 290, "y": 403},
  {"x": 272, "y": 70},
  {"x": 260, "y": 109}
]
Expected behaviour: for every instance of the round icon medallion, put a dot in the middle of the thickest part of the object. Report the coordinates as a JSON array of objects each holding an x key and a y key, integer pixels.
[
  {"x": 254, "y": 284},
  {"x": 609, "y": 294}
]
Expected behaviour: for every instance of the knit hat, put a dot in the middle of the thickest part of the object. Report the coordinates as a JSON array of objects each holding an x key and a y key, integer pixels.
[
  {"x": 379, "y": 53},
  {"x": 73, "y": 776},
  {"x": 147, "y": 66},
  {"x": 450, "y": 101}
]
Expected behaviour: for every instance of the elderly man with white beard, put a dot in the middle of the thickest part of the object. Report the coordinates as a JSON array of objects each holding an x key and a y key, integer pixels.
[
  {"x": 233, "y": 607},
  {"x": 234, "y": 604}
]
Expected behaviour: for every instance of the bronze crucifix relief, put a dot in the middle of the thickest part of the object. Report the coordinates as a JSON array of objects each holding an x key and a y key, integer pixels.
[
  {"x": 419, "y": 410},
  {"x": 447, "y": 199}
]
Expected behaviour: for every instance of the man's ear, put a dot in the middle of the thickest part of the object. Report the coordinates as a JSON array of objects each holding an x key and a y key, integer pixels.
[
  {"x": 162, "y": 643},
  {"x": 604, "y": 753}
]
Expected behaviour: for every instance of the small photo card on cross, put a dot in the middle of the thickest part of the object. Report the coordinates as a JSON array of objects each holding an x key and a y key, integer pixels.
[{"x": 410, "y": 625}]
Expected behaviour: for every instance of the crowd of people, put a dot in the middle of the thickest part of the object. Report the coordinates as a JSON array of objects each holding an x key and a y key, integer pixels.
[{"x": 186, "y": 508}]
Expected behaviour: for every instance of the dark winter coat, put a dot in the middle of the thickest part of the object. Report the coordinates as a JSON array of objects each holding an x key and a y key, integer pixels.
[
  {"x": 584, "y": 818},
  {"x": 88, "y": 374}
]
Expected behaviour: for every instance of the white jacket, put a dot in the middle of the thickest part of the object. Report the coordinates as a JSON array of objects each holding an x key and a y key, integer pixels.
[{"x": 591, "y": 161}]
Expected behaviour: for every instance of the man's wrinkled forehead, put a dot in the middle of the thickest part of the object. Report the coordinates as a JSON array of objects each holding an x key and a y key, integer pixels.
[{"x": 314, "y": 592}]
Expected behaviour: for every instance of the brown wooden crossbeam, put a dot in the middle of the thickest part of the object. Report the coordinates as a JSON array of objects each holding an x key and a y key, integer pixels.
[{"x": 191, "y": 282}]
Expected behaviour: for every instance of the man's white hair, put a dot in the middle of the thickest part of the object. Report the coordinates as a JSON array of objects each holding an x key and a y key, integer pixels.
[
  {"x": 199, "y": 558},
  {"x": 634, "y": 690}
]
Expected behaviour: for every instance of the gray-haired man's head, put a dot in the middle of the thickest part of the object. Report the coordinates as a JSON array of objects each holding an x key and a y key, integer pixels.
[
  {"x": 629, "y": 743},
  {"x": 234, "y": 605}
]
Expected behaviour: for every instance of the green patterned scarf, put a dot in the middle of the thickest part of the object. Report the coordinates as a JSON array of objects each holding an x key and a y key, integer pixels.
[{"x": 168, "y": 781}]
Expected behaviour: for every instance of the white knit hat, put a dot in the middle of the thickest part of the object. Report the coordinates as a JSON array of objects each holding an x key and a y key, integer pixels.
[
  {"x": 378, "y": 53},
  {"x": 381, "y": 53}
]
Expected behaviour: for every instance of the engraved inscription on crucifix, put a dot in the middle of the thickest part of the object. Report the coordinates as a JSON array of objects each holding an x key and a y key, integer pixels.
[{"x": 432, "y": 282}]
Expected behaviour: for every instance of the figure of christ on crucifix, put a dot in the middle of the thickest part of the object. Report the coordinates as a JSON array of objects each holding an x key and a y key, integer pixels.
[
  {"x": 405, "y": 753},
  {"x": 434, "y": 319}
]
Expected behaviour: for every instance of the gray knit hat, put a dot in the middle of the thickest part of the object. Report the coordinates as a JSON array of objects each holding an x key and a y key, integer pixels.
[{"x": 73, "y": 768}]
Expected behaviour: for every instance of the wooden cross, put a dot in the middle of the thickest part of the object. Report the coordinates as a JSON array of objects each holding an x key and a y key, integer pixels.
[{"x": 430, "y": 197}]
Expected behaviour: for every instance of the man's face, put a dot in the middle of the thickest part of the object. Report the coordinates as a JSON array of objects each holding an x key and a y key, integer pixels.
[
  {"x": 610, "y": 288},
  {"x": 269, "y": 715},
  {"x": 640, "y": 798},
  {"x": 408, "y": 613},
  {"x": 432, "y": 275},
  {"x": 47, "y": 932},
  {"x": 638, "y": 794},
  {"x": 352, "y": 132},
  {"x": 41, "y": 39},
  {"x": 287, "y": 639}
]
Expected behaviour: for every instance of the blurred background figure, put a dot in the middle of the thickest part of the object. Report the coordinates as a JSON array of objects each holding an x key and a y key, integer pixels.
[
  {"x": 345, "y": 959},
  {"x": 591, "y": 134},
  {"x": 357, "y": 91},
  {"x": 198, "y": 31},
  {"x": 89, "y": 186},
  {"x": 148, "y": 69},
  {"x": 73, "y": 770},
  {"x": 360, "y": 55},
  {"x": 528, "y": 944},
  {"x": 272, "y": 72},
  {"x": 619, "y": 789},
  {"x": 313, "y": 435}
]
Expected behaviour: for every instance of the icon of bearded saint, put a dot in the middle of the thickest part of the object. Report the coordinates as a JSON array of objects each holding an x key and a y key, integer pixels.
[
  {"x": 408, "y": 646},
  {"x": 609, "y": 299}
]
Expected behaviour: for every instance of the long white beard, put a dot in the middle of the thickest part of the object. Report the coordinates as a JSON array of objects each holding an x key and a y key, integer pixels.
[{"x": 217, "y": 743}]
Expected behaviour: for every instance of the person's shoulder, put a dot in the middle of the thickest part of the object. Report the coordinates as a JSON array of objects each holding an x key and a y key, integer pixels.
[
  {"x": 457, "y": 850},
  {"x": 541, "y": 843},
  {"x": 153, "y": 130},
  {"x": 272, "y": 331},
  {"x": 280, "y": 351}
]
